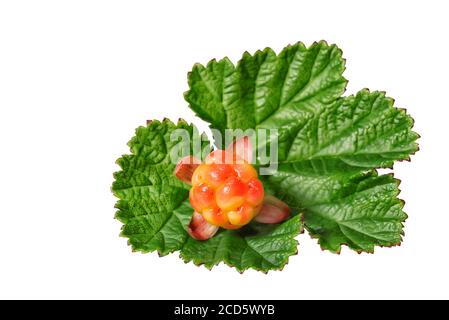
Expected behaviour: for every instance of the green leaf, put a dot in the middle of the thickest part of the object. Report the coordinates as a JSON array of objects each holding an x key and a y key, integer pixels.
[
  {"x": 326, "y": 142},
  {"x": 152, "y": 202},
  {"x": 257, "y": 246},
  {"x": 363, "y": 131},
  {"x": 363, "y": 214},
  {"x": 266, "y": 89},
  {"x": 154, "y": 208},
  {"x": 360, "y": 210},
  {"x": 329, "y": 149}
]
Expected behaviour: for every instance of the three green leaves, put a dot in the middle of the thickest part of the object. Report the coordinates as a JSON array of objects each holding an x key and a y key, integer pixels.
[{"x": 329, "y": 149}]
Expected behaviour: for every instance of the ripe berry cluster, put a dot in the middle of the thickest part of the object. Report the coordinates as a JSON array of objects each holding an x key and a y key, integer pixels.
[{"x": 227, "y": 193}]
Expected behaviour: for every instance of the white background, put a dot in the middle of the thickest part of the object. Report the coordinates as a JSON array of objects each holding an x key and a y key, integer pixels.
[{"x": 77, "y": 77}]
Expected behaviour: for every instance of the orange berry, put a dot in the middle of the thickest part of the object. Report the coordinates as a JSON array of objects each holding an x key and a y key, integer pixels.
[
  {"x": 225, "y": 192},
  {"x": 215, "y": 217},
  {"x": 212, "y": 174},
  {"x": 255, "y": 192},
  {"x": 245, "y": 172},
  {"x": 242, "y": 216},
  {"x": 219, "y": 174},
  {"x": 200, "y": 174},
  {"x": 202, "y": 197},
  {"x": 231, "y": 195}
]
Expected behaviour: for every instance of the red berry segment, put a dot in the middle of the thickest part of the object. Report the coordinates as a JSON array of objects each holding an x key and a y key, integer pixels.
[
  {"x": 219, "y": 174},
  {"x": 245, "y": 172},
  {"x": 231, "y": 195},
  {"x": 216, "y": 217},
  {"x": 255, "y": 192},
  {"x": 202, "y": 197},
  {"x": 243, "y": 215},
  {"x": 199, "y": 175}
]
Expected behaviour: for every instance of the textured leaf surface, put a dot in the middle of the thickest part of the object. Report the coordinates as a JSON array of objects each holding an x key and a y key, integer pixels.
[
  {"x": 152, "y": 202},
  {"x": 359, "y": 210},
  {"x": 154, "y": 208},
  {"x": 329, "y": 149},
  {"x": 266, "y": 89},
  {"x": 329, "y": 146},
  {"x": 262, "y": 247},
  {"x": 366, "y": 213}
]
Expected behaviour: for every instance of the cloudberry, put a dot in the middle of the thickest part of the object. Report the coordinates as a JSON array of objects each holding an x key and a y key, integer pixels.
[{"x": 226, "y": 191}]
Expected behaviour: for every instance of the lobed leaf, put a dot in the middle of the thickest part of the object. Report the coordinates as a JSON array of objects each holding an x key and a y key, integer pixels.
[
  {"x": 266, "y": 89},
  {"x": 329, "y": 149},
  {"x": 325, "y": 140},
  {"x": 154, "y": 208}
]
